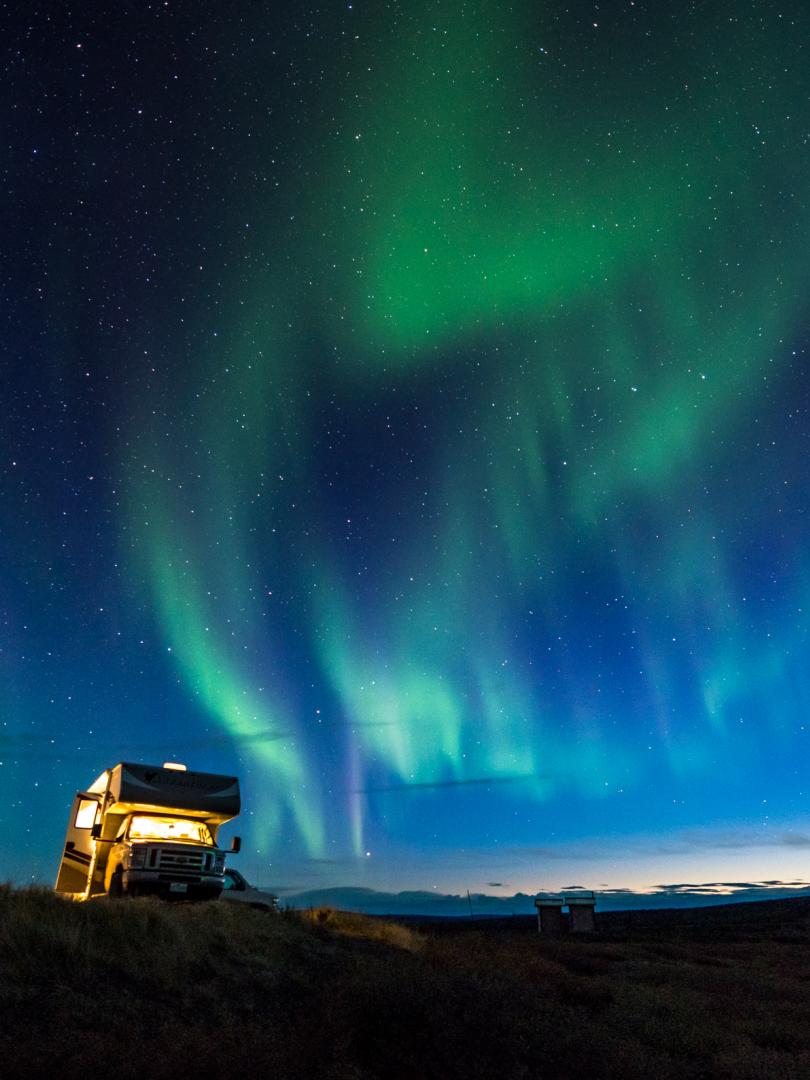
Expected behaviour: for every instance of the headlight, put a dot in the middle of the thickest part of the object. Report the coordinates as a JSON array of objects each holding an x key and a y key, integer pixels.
[
  {"x": 137, "y": 857},
  {"x": 219, "y": 862}
]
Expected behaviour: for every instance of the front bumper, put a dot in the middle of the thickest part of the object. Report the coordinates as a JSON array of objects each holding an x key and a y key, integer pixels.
[{"x": 172, "y": 885}]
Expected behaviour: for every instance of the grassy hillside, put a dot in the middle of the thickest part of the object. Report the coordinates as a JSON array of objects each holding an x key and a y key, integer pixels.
[{"x": 140, "y": 988}]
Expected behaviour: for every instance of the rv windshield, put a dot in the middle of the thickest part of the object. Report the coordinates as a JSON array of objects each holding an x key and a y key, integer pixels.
[{"x": 147, "y": 827}]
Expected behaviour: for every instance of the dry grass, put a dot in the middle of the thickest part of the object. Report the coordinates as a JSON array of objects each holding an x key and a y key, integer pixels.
[
  {"x": 146, "y": 989},
  {"x": 349, "y": 924}
]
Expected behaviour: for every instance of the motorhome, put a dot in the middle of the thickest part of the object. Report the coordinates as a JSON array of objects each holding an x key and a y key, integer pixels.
[{"x": 148, "y": 829}]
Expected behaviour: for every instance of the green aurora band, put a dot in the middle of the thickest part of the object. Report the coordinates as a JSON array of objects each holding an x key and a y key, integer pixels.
[{"x": 599, "y": 269}]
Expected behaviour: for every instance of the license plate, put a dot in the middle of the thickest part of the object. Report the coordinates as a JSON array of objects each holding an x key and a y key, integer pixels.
[{"x": 178, "y": 886}]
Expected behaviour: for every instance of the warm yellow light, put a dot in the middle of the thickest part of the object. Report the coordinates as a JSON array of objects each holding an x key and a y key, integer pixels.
[
  {"x": 174, "y": 765},
  {"x": 148, "y": 827}
]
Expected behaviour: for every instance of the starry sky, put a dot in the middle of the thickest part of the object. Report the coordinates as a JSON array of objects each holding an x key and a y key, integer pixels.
[{"x": 405, "y": 408}]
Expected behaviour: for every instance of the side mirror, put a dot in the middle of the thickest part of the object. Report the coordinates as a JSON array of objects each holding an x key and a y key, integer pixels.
[
  {"x": 95, "y": 831},
  {"x": 236, "y": 845}
]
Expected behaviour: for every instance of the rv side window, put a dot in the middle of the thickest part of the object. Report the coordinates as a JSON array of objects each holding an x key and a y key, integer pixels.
[{"x": 86, "y": 814}]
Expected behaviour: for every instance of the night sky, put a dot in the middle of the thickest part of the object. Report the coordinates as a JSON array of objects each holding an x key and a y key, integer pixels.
[{"x": 405, "y": 408}]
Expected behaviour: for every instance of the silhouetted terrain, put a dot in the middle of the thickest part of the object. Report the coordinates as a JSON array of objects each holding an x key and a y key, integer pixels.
[
  {"x": 716, "y": 922},
  {"x": 145, "y": 989}
]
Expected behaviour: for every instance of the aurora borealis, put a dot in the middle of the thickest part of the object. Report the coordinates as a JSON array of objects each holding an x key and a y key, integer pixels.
[{"x": 406, "y": 409}]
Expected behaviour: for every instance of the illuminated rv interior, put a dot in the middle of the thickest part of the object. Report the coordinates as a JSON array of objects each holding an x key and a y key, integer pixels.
[{"x": 152, "y": 827}]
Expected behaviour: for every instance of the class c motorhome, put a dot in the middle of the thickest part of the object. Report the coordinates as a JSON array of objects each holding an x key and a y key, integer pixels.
[{"x": 148, "y": 829}]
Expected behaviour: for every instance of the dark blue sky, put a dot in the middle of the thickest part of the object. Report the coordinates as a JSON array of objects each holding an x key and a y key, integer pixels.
[{"x": 406, "y": 410}]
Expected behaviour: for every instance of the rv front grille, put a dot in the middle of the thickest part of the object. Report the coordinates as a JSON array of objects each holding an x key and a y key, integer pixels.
[{"x": 186, "y": 861}]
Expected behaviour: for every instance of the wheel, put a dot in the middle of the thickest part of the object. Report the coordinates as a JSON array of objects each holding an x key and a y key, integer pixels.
[{"x": 116, "y": 885}]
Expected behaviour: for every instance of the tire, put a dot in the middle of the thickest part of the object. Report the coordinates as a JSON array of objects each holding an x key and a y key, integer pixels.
[{"x": 116, "y": 891}]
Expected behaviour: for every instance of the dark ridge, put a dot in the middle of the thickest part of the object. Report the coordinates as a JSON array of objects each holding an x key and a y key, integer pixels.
[{"x": 749, "y": 918}]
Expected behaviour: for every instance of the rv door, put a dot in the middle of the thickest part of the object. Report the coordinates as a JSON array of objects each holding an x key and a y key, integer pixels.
[{"x": 77, "y": 855}]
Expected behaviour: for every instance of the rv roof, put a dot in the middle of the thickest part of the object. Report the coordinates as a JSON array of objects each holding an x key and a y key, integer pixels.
[{"x": 100, "y": 785}]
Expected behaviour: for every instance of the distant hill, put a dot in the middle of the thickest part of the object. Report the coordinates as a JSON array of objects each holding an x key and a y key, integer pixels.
[{"x": 425, "y": 902}]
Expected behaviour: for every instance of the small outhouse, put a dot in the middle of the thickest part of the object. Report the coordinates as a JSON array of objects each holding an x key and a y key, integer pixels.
[
  {"x": 581, "y": 907},
  {"x": 550, "y": 920}
]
